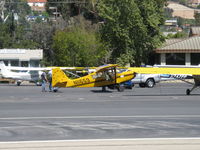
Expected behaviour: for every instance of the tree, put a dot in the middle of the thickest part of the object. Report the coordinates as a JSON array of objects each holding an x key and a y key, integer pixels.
[
  {"x": 76, "y": 46},
  {"x": 67, "y": 9},
  {"x": 131, "y": 28},
  {"x": 20, "y": 39},
  {"x": 197, "y": 18},
  {"x": 90, "y": 11},
  {"x": 13, "y": 33},
  {"x": 19, "y": 7}
]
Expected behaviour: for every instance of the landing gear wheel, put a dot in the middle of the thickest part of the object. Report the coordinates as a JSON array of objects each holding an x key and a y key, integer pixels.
[
  {"x": 103, "y": 88},
  {"x": 18, "y": 83},
  {"x": 120, "y": 88},
  {"x": 188, "y": 91}
]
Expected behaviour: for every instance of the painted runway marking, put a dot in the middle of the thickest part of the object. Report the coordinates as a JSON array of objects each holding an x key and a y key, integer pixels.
[{"x": 99, "y": 117}]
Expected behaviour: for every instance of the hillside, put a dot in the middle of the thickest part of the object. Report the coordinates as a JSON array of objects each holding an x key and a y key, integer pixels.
[{"x": 181, "y": 10}]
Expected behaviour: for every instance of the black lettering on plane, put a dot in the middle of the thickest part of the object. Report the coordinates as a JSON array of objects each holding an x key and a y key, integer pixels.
[{"x": 81, "y": 81}]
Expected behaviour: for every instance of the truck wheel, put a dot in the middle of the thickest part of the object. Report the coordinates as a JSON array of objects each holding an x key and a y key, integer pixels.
[{"x": 150, "y": 83}]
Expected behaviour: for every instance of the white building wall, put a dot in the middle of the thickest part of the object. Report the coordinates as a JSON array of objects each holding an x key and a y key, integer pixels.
[
  {"x": 20, "y": 55},
  {"x": 39, "y": 4},
  {"x": 30, "y": 4}
]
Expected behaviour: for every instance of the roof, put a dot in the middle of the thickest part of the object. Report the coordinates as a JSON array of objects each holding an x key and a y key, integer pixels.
[
  {"x": 171, "y": 41},
  {"x": 195, "y": 31},
  {"x": 36, "y": 1},
  {"x": 188, "y": 45}
]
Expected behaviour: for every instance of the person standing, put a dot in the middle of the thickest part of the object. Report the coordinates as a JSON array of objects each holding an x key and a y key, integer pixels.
[
  {"x": 50, "y": 81},
  {"x": 44, "y": 81}
]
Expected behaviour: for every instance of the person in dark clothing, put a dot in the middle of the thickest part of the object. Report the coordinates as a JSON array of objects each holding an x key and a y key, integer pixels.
[
  {"x": 50, "y": 81},
  {"x": 44, "y": 81}
]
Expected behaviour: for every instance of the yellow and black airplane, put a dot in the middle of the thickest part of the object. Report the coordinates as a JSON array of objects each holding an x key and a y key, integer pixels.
[
  {"x": 104, "y": 76},
  {"x": 107, "y": 75}
]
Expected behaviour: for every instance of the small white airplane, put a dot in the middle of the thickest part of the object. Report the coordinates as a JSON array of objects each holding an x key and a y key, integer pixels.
[
  {"x": 32, "y": 74},
  {"x": 21, "y": 74}
]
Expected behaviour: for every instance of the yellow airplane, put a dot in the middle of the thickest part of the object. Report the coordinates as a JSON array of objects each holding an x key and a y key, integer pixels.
[
  {"x": 195, "y": 72},
  {"x": 106, "y": 75}
]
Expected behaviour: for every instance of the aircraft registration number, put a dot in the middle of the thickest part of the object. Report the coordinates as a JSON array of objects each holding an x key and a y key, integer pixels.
[{"x": 82, "y": 81}]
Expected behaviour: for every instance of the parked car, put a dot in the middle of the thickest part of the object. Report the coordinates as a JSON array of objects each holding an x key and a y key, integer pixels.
[
  {"x": 128, "y": 84},
  {"x": 150, "y": 80},
  {"x": 146, "y": 80}
]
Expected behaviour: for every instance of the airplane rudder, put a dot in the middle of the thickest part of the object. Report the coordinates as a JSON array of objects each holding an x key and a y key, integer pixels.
[
  {"x": 3, "y": 69},
  {"x": 58, "y": 76},
  {"x": 2, "y": 64}
]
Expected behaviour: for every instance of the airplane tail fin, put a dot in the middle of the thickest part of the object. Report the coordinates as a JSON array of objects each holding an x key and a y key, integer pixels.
[
  {"x": 4, "y": 71},
  {"x": 59, "y": 78}
]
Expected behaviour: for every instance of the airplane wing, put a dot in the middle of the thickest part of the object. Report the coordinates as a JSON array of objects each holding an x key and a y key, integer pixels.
[
  {"x": 149, "y": 70},
  {"x": 105, "y": 67},
  {"x": 43, "y": 68}
]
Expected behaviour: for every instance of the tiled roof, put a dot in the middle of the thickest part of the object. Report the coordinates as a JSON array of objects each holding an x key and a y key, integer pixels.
[
  {"x": 189, "y": 45},
  {"x": 36, "y": 1},
  {"x": 171, "y": 41}
]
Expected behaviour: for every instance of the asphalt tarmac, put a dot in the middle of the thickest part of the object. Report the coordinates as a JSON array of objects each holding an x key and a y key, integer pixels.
[{"x": 27, "y": 114}]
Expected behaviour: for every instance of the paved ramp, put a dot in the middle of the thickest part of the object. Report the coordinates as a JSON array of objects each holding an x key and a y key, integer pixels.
[{"x": 125, "y": 144}]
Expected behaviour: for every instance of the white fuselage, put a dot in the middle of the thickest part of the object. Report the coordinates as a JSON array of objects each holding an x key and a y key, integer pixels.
[{"x": 24, "y": 75}]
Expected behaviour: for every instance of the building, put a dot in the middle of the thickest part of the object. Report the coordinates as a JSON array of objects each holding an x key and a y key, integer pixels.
[
  {"x": 37, "y": 5},
  {"x": 195, "y": 31},
  {"x": 179, "y": 52},
  {"x": 21, "y": 57},
  {"x": 172, "y": 22},
  {"x": 194, "y": 3}
]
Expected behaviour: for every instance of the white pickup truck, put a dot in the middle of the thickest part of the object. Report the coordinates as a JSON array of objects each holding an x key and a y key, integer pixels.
[
  {"x": 146, "y": 80},
  {"x": 149, "y": 80}
]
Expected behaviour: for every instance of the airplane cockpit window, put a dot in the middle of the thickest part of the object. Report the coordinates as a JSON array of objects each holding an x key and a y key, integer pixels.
[
  {"x": 97, "y": 75},
  {"x": 23, "y": 71},
  {"x": 108, "y": 74}
]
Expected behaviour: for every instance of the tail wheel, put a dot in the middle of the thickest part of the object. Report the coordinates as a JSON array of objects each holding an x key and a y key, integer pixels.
[
  {"x": 55, "y": 89},
  {"x": 188, "y": 92}
]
